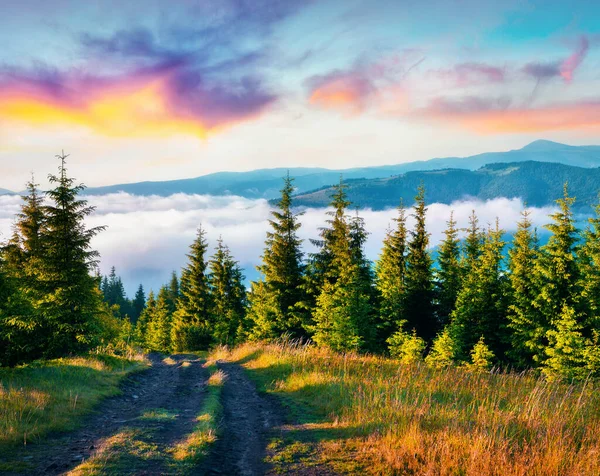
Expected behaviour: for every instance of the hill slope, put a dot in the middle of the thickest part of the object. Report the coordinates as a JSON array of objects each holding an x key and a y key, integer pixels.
[
  {"x": 266, "y": 183},
  {"x": 537, "y": 183}
]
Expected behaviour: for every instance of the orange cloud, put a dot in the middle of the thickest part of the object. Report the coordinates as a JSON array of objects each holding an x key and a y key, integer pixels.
[
  {"x": 344, "y": 92},
  {"x": 136, "y": 109},
  {"x": 583, "y": 115},
  {"x": 155, "y": 102}
]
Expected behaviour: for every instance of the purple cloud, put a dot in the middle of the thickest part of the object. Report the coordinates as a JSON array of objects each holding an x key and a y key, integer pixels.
[
  {"x": 466, "y": 74},
  {"x": 564, "y": 69}
]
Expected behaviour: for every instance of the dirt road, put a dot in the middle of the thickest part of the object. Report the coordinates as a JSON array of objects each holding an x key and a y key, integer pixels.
[{"x": 174, "y": 387}]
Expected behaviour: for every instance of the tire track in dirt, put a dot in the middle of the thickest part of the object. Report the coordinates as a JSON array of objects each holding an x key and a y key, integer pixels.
[{"x": 248, "y": 420}]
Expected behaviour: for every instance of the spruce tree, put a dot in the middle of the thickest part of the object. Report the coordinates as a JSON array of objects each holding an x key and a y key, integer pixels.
[
  {"x": 449, "y": 273},
  {"x": 566, "y": 350},
  {"x": 114, "y": 293},
  {"x": 138, "y": 304},
  {"x": 558, "y": 278},
  {"x": 365, "y": 280},
  {"x": 442, "y": 351},
  {"x": 472, "y": 244},
  {"x": 557, "y": 266},
  {"x": 342, "y": 312},
  {"x": 159, "y": 325},
  {"x": 481, "y": 357},
  {"x": 419, "y": 275},
  {"x": 174, "y": 292},
  {"x": 275, "y": 304},
  {"x": 19, "y": 331},
  {"x": 589, "y": 265},
  {"x": 23, "y": 327},
  {"x": 141, "y": 326},
  {"x": 322, "y": 266},
  {"x": 390, "y": 275},
  {"x": 526, "y": 332},
  {"x": 24, "y": 250},
  {"x": 228, "y": 296},
  {"x": 72, "y": 297},
  {"x": 481, "y": 304},
  {"x": 192, "y": 326},
  {"x": 408, "y": 348}
]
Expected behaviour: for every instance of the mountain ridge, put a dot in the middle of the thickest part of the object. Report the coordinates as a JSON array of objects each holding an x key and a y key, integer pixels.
[
  {"x": 266, "y": 183},
  {"x": 536, "y": 183}
]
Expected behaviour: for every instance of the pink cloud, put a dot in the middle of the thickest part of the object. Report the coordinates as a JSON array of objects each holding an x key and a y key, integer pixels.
[
  {"x": 366, "y": 83},
  {"x": 498, "y": 115},
  {"x": 568, "y": 66},
  {"x": 564, "y": 69}
]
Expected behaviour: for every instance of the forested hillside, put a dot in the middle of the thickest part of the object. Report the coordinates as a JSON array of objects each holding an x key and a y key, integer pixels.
[
  {"x": 535, "y": 307},
  {"x": 537, "y": 183}
]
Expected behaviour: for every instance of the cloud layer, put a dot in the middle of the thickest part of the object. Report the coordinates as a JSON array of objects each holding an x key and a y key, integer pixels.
[
  {"x": 148, "y": 237},
  {"x": 180, "y": 77}
]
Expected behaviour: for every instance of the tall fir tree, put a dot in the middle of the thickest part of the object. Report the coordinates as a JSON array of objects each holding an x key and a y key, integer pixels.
[
  {"x": 23, "y": 327},
  {"x": 419, "y": 308},
  {"x": 523, "y": 318},
  {"x": 481, "y": 304},
  {"x": 365, "y": 281},
  {"x": 448, "y": 274},
  {"x": 275, "y": 302},
  {"x": 160, "y": 324},
  {"x": 114, "y": 293},
  {"x": 174, "y": 292},
  {"x": 141, "y": 326},
  {"x": 138, "y": 304},
  {"x": 390, "y": 276},
  {"x": 472, "y": 244},
  {"x": 321, "y": 266},
  {"x": 589, "y": 265},
  {"x": 192, "y": 325},
  {"x": 19, "y": 330},
  {"x": 557, "y": 276},
  {"x": 557, "y": 265},
  {"x": 228, "y": 296},
  {"x": 24, "y": 249},
  {"x": 72, "y": 300},
  {"x": 342, "y": 309}
]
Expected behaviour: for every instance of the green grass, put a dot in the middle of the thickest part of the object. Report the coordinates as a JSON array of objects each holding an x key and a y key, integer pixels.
[
  {"x": 53, "y": 395},
  {"x": 134, "y": 449},
  {"x": 372, "y": 415},
  {"x": 190, "y": 452}
]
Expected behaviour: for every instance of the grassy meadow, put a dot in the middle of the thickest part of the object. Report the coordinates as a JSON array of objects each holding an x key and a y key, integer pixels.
[
  {"x": 371, "y": 415},
  {"x": 52, "y": 395}
]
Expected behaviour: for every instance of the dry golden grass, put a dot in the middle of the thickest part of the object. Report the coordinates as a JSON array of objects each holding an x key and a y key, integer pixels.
[
  {"x": 399, "y": 419},
  {"x": 52, "y": 395}
]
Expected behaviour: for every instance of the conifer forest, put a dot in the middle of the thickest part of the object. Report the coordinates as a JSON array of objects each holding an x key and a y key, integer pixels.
[{"x": 481, "y": 300}]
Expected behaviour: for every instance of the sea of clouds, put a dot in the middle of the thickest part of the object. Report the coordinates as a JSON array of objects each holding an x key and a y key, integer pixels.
[{"x": 148, "y": 237}]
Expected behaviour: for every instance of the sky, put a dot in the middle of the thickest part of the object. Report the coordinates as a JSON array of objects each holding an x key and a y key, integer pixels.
[{"x": 153, "y": 90}]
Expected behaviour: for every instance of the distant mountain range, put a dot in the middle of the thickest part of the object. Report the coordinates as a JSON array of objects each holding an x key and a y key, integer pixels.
[
  {"x": 381, "y": 186},
  {"x": 537, "y": 183},
  {"x": 266, "y": 183}
]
